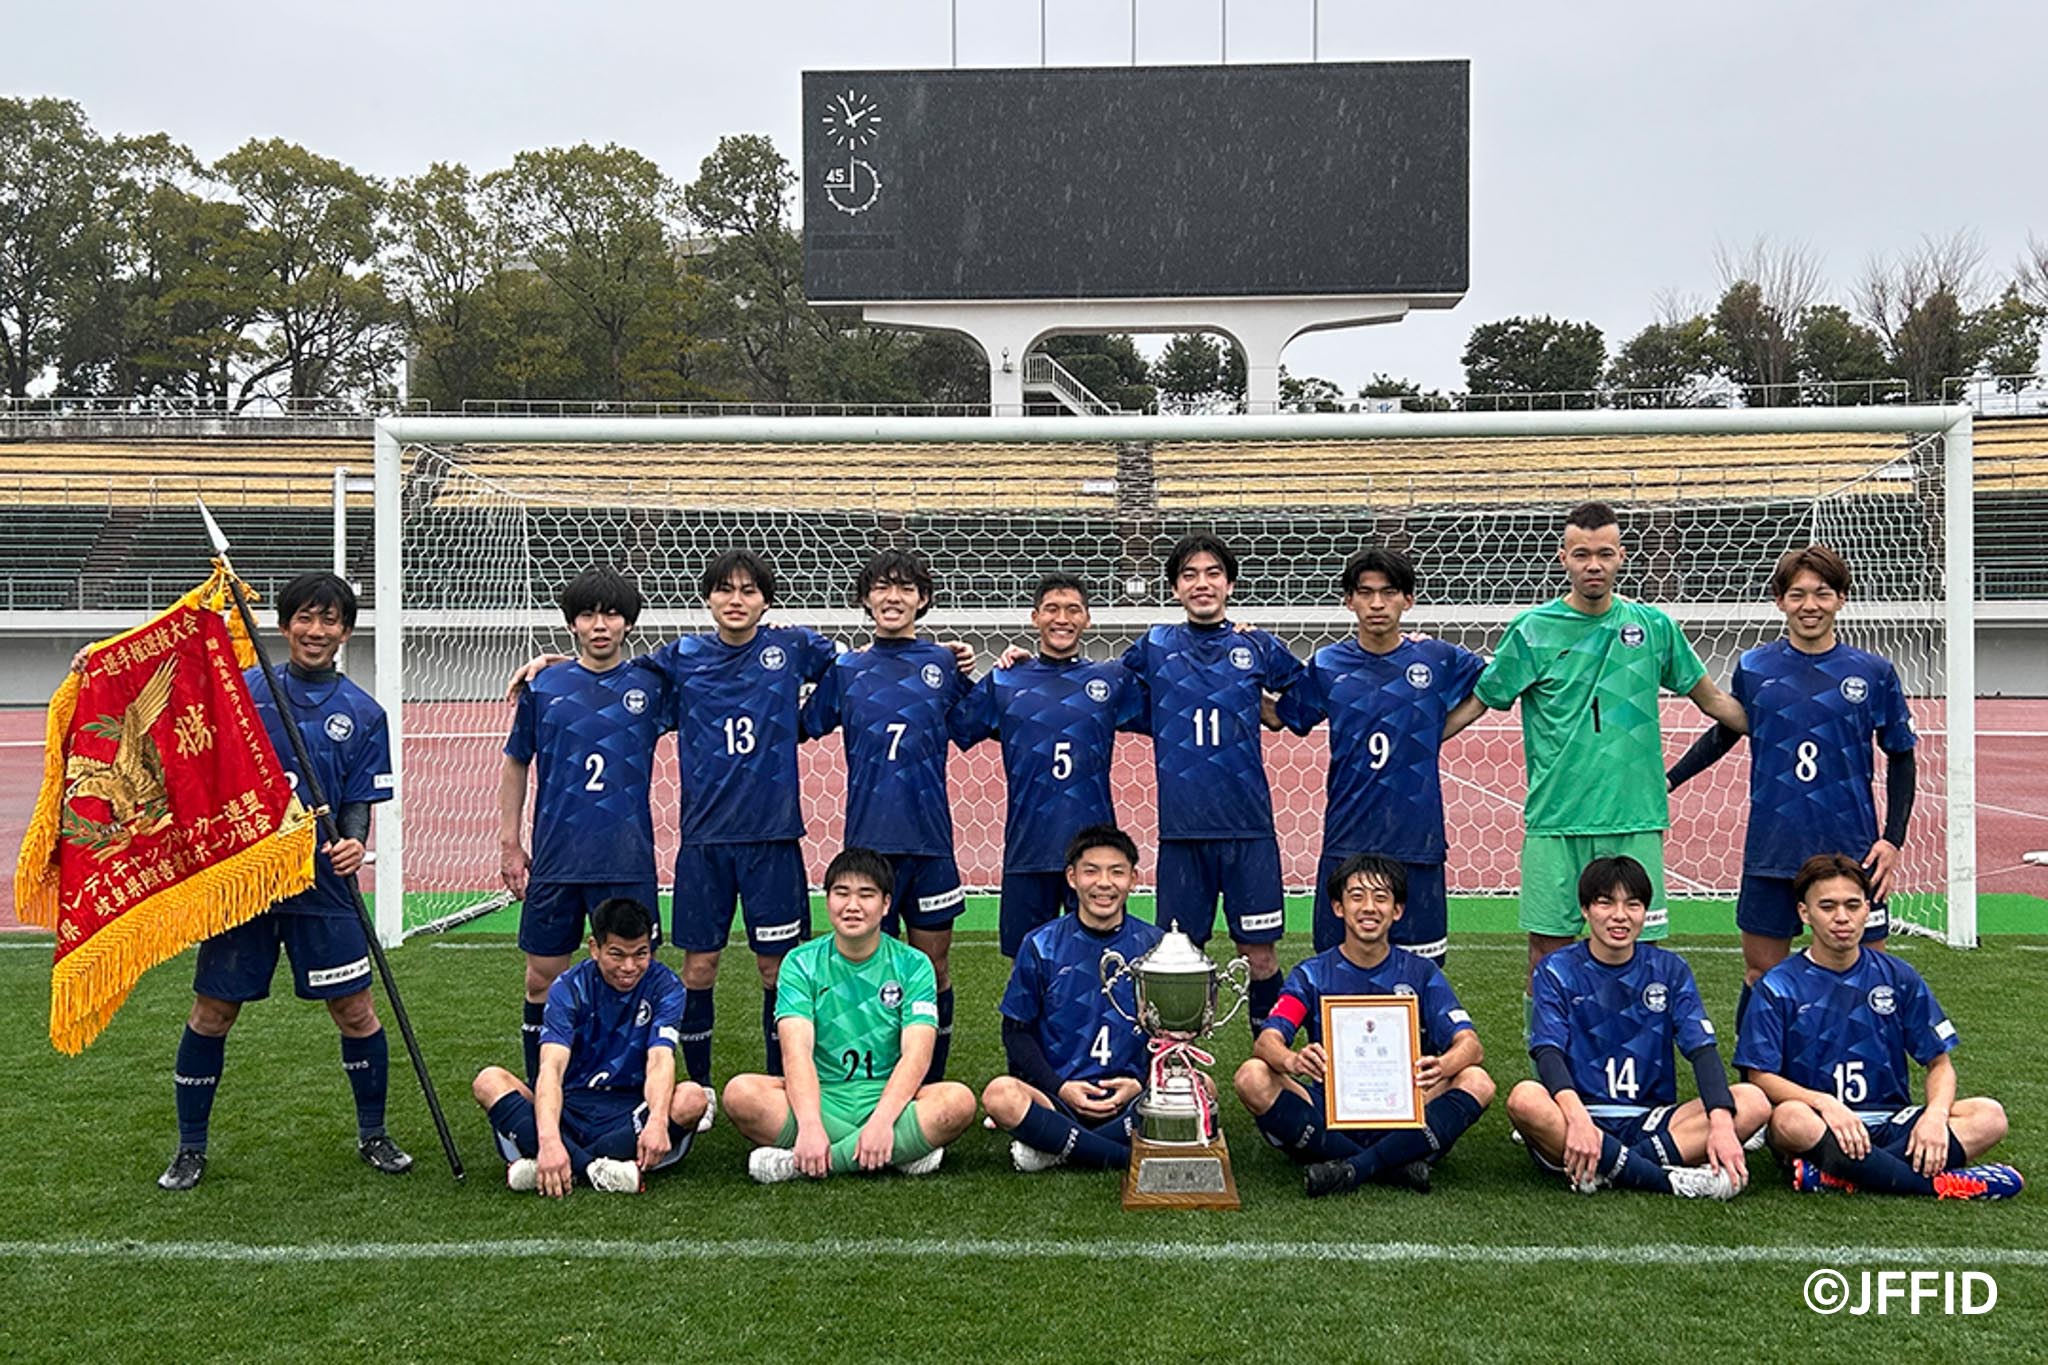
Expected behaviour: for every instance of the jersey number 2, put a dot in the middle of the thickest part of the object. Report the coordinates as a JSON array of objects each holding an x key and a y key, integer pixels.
[{"x": 594, "y": 765}]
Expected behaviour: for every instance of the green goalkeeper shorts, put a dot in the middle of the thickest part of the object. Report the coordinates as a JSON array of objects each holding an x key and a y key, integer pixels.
[
  {"x": 843, "y": 1107},
  {"x": 1551, "y": 864}
]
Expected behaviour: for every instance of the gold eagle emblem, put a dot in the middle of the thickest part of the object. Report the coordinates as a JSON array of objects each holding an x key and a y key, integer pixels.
[{"x": 133, "y": 783}]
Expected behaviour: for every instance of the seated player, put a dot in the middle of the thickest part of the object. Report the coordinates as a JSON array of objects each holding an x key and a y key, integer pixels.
[
  {"x": 1072, "y": 1093},
  {"x": 1826, "y": 1039},
  {"x": 858, "y": 1014},
  {"x": 1609, "y": 1011},
  {"x": 588, "y": 733},
  {"x": 321, "y": 928},
  {"x": 1283, "y": 1086},
  {"x": 607, "y": 1066}
]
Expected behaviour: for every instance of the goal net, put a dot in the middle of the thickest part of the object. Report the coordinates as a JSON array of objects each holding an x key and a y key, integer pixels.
[{"x": 493, "y": 515}]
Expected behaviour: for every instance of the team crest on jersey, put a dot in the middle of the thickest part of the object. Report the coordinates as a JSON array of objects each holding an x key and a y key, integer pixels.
[
  {"x": 1855, "y": 689},
  {"x": 644, "y": 1015},
  {"x": 934, "y": 676},
  {"x": 891, "y": 994},
  {"x": 772, "y": 658},
  {"x": 1655, "y": 998},
  {"x": 1403, "y": 988},
  {"x": 1882, "y": 1001},
  {"x": 1420, "y": 676},
  {"x": 1098, "y": 690},
  {"x": 635, "y": 700},
  {"x": 1241, "y": 657},
  {"x": 1632, "y": 635},
  {"x": 340, "y": 726}
]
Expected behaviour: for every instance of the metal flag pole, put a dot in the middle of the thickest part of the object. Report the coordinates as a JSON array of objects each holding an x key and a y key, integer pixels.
[{"x": 330, "y": 832}]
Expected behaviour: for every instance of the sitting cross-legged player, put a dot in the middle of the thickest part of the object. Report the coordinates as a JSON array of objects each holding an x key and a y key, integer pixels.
[
  {"x": 1826, "y": 1038},
  {"x": 605, "y": 1107},
  {"x": 1609, "y": 1012},
  {"x": 858, "y": 1015},
  {"x": 1072, "y": 1092},
  {"x": 1283, "y": 1086}
]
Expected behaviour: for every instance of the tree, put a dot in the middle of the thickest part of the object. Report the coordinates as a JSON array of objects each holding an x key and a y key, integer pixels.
[
  {"x": 1111, "y": 366},
  {"x": 1189, "y": 372},
  {"x": 1766, "y": 291},
  {"x": 2006, "y": 335},
  {"x": 1837, "y": 353},
  {"x": 1671, "y": 363},
  {"x": 1312, "y": 393},
  {"x": 56, "y": 174},
  {"x": 1413, "y": 399},
  {"x": 1920, "y": 305},
  {"x": 596, "y": 223},
  {"x": 444, "y": 252},
  {"x": 741, "y": 198},
  {"x": 1541, "y": 355},
  {"x": 321, "y": 314}
]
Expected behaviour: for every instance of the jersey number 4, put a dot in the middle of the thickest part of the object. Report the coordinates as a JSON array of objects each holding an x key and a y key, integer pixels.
[{"x": 1099, "y": 1049}]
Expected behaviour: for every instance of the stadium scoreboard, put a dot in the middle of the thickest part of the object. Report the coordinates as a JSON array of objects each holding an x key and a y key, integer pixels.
[{"x": 1334, "y": 178}]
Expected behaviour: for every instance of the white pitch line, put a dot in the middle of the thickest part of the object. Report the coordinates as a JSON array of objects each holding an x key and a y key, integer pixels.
[
  {"x": 969, "y": 943},
  {"x": 43, "y": 943},
  {"x": 2008, "y": 810},
  {"x": 881, "y": 1250}
]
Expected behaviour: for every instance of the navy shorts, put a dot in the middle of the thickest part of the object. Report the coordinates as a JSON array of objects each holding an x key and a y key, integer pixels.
[
  {"x": 1424, "y": 926},
  {"x": 330, "y": 957},
  {"x": 766, "y": 880},
  {"x": 554, "y": 918},
  {"x": 928, "y": 893},
  {"x": 1245, "y": 873},
  {"x": 1890, "y": 1132},
  {"x": 586, "y": 1116},
  {"x": 1767, "y": 908},
  {"x": 1030, "y": 899},
  {"x": 1118, "y": 1127},
  {"x": 1628, "y": 1130}
]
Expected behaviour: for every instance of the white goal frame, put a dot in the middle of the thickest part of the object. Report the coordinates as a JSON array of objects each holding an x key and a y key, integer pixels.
[{"x": 1951, "y": 422}]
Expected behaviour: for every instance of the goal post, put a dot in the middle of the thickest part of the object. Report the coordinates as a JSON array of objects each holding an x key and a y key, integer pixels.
[{"x": 479, "y": 519}]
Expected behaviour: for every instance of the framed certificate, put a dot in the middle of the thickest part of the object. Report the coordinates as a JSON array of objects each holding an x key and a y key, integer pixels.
[{"x": 1373, "y": 1042}]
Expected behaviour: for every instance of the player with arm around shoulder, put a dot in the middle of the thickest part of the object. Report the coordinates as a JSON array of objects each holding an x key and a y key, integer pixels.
[
  {"x": 605, "y": 1108},
  {"x": 858, "y": 1014},
  {"x": 1283, "y": 1085},
  {"x": 1072, "y": 1091},
  {"x": 1826, "y": 1039},
  {"x": 1610, "y": 1010}
]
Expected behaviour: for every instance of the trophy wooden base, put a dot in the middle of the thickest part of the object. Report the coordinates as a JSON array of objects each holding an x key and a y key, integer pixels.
[{"x": 1180, "y": 1175}]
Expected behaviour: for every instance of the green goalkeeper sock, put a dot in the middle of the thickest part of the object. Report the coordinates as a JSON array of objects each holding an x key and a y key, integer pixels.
[{"x": 909, "y": 1144}]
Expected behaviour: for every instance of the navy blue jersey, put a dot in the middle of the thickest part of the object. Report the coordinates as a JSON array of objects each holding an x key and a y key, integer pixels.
[
  {"x": 1812, "y": 718},
  {"x": 590, "y": 738},
  {"x": 1058, "y": 720},
  {"x": 736, "y": 723},
  {"x": 1846, "y": 1034},
  {"x": 609, "y": 1033},
  {"x": 1617, "y": 1026},
  {"x": 1400, "y": 973},
  {"x": 345, "y": 736},
  {"x": 1386, "y": 714},
  {"x": 892, "y": 700},
  {"x": 1202, "y": 689},
  {"x": 1056, "y": 988}
]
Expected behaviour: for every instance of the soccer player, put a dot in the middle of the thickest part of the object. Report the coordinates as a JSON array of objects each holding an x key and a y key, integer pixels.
[
  {"x": 1814, "y": 705},
  {"x": 607, "y": 1067},
  {"x": 1386, "y": 699},
  {"x": 1587, "y": 669},
  {"x": 1826, "y": 1038},
  {"x": 1058, "y": 715},
  {"x": 1609, "y": 1011},
  {"x": 1072, "y": 1092},
  {"x": 1283, "y": 1085},
  {"x": 858, "y": 1012},
  {"x": 893, "y": 700},
  {"x": 587, "y": 732},
  {"x": 1204, "y": 681},
  {"x": 319, "y": 929}
]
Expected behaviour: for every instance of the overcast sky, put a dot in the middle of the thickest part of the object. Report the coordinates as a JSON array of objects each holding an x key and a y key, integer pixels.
[{"x": 1613, "y": 144}]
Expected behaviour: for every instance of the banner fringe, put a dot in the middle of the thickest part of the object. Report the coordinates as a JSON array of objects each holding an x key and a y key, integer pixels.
[{"x": 35, "y": 871}]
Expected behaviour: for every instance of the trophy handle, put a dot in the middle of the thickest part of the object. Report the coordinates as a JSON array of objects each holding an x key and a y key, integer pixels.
[
  {"x": 1239, "y": 975},
  {"x": 1109, "y": 979}
]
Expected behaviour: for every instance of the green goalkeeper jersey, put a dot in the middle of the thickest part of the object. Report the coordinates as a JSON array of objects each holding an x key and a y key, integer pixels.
[
  {"x": 859, "y": 1009},
  {"x": 1588, "y": 685}
]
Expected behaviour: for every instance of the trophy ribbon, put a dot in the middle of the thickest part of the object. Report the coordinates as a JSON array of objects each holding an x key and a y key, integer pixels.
[{"x": 1178, "y": 1054}]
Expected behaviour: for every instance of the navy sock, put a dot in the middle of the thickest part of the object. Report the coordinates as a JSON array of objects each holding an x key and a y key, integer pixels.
[
  {"x": 1051, "y": 1131},
  {"x": 770, "y": 1039},
  {"x": 529, "y": 1036},
  {"x": 1263, "y": 995},
  {"x": 1295, "y": 1125},
  {"x": 1629, "y": 1169},
  {"x": 696, "y": 1035},
  {"x": 942, "y": 1046},
  {"x": 1444, "y": 1119},
  {"x": 368, "y": 1064},
  {"x": 1741, "y": 1007},
  {"x": 195, "y": 1079},
  {"x": 1958, "y": 1155},
  {"x": 1880, "y": 1172},
  {"x": 512, "y": 1118}
]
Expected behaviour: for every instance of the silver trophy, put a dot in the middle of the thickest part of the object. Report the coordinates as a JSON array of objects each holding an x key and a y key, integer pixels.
[{"x": 1178, "y": 1157}]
